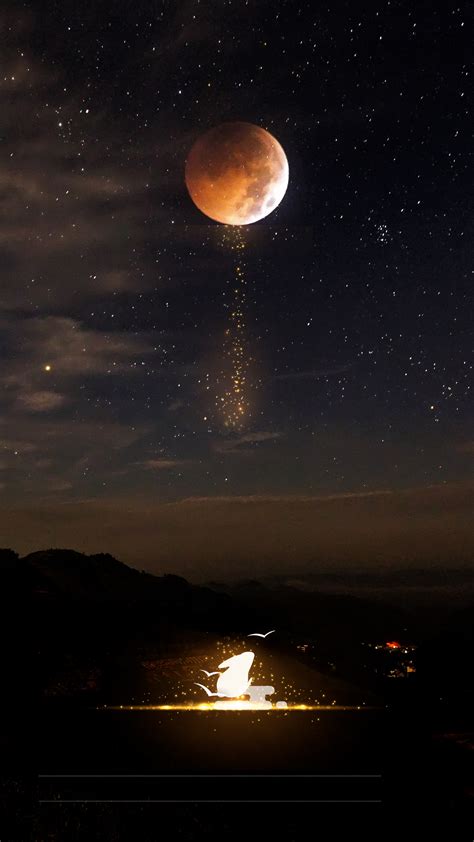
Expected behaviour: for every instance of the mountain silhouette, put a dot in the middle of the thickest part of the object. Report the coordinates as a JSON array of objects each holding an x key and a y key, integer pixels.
[
  {"x": 65, "y": 576},
  {"x": 69, "y": 576},
  {"x": 95, "y": 612}
]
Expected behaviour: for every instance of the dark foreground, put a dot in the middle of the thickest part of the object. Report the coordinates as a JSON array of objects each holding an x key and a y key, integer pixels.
[
  {"x": 125, "y": 775},
  {"x": 104, "y": 635},
  {"x": 208, "y": 772}
]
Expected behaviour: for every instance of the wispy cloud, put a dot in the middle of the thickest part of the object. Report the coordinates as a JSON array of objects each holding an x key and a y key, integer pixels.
[
  {"x": 42, "y": 401},
  {"x": 228, "y": 536},
  {"x": 163, "y": 464},
  {"x": 245, "y": 442}
]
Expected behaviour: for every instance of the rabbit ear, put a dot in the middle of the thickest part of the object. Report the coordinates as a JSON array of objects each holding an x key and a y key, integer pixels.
[
  {"x": 227, "y": 663},
  {"x": 235, "y": 659}
]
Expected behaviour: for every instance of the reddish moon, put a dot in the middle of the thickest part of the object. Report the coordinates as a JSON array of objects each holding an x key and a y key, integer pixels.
[{"x": 237, "y": 173}]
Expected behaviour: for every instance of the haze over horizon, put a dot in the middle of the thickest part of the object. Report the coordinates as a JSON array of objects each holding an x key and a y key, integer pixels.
[{"x": 230, "y": 537}]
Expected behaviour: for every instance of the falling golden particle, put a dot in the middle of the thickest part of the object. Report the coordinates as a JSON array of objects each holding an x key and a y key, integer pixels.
[{"x": 234, "y": 403}]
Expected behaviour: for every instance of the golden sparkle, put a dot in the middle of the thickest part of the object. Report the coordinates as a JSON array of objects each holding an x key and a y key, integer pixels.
[
  {"x": 236, "y": 705},
  {"x": 233, "y": 402}
]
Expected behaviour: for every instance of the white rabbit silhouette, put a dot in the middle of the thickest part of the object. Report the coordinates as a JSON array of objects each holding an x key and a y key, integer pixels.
[{"x": 235, "y": 680}]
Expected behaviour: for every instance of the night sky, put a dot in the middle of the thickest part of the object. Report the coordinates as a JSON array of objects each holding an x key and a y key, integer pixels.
[{"x": 116, "y": 291}]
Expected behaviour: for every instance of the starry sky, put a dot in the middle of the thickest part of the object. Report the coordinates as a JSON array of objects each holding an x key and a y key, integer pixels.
[{"x": 116, "y": 292}]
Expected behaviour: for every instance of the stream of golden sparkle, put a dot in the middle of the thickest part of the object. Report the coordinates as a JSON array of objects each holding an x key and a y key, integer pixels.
[{"x": 232, "y": 402}]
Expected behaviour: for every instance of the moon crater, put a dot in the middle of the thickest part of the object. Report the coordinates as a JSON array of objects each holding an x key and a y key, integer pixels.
[{"x": 237, "y": 173}]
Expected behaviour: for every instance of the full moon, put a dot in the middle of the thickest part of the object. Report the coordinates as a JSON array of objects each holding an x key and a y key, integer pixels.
[{"x": 237, "y": 173}]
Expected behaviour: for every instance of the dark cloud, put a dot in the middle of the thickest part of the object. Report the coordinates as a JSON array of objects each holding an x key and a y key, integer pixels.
[
  {"x": 44, "y": 453},
  {"x": 74, "y": 194},
  {"x": 55, "y": 359}
]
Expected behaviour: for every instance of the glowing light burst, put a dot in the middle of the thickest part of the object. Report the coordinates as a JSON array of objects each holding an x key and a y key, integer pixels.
[
  {"x": 233, "y": 402},
  {"x": 239, "y": 705},
  {"x": 252, "y": 700}
]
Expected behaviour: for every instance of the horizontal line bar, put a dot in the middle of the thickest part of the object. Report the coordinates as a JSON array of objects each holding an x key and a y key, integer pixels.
[
  {"x": 207, "y": 801},
  {"x": 206, "y": 775}
]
